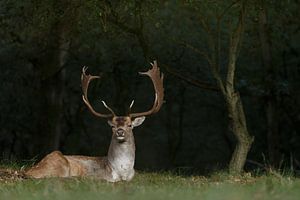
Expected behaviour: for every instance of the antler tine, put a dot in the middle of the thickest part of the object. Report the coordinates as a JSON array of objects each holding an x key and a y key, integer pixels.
[
  {"x": 131, "y": 104},
  {"x": 108, "y": 108},
  {"x": 85, "y": 81},
  {"x": 157, "y": 79},
  {"x": 130, "y": 107}
]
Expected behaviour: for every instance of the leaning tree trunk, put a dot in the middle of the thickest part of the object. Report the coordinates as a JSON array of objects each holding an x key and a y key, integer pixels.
[
  {"x": 233, "y": 100},
  {"x": 239, "y": 129},
  {"x": 237, "y": 119}
]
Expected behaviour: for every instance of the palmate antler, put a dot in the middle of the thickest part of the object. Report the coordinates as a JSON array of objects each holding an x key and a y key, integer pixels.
[
  {"x": 85, "y": 81},
  {"x": 156, "y": 78}
]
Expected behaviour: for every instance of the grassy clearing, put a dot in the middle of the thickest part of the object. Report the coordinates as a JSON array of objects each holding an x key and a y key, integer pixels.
[{"x": 155, "y": 186}]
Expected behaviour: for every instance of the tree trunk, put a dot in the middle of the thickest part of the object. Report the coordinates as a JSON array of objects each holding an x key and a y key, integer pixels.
[
  {"x": 175, "y": 125},
  {"x": 233, "y": 100},
  {"x": 239, "y": 129},
  {"x": 54, "y": 74},
  {"x": 58, "y": 92},
  {"x": 270, "y": 87},
  {"x": 53, "y": 92}
]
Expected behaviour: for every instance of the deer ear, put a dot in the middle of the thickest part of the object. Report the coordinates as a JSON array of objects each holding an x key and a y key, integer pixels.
[
  {"x": 110, "y": 123},
  {"x": 138, "y": 121}
]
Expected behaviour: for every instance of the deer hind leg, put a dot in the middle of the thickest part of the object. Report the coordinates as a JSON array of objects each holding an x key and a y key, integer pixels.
[{"x": 53, "y": 165}]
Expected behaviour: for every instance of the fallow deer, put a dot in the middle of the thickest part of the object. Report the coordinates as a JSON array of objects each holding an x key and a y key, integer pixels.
[{"x": 119, "y": 163}]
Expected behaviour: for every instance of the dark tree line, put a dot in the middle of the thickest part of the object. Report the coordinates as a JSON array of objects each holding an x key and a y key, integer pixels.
[{"x": 231, "y": 67}]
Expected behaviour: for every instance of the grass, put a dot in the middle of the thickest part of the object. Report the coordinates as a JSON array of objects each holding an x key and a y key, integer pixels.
[{"x": 155, "y": 186}]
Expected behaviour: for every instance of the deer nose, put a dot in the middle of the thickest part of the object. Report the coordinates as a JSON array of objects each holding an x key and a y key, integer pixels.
[{"x": 120, "y": 132}]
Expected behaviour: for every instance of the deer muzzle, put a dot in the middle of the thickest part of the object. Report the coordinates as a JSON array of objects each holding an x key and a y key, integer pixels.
[{"x": 120, "y": 133}]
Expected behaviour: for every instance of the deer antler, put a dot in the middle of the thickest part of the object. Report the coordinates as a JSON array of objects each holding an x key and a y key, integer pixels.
[
  {"x": 157, "y": 80},
  {"x": 85, "y": 81}
]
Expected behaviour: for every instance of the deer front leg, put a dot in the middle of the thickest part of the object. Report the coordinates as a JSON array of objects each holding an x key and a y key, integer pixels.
[
  {"x": 128, "y": 176},
  {"x": 53, "y": 165}
]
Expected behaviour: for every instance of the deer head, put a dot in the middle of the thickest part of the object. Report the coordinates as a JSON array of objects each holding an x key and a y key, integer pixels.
[{"x": 122, "y": 125}]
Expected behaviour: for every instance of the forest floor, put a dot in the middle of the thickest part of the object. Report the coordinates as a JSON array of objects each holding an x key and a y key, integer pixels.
[{"x": 147, "y": 185}]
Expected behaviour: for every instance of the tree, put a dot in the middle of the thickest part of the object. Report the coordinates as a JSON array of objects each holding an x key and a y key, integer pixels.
[{"x": 226, "y": 85}]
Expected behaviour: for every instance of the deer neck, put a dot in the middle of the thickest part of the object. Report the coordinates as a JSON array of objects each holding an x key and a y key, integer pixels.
[{"x": 121, "y": 156}]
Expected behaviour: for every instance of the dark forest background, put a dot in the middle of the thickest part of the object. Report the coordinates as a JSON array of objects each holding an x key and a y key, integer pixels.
[{"x": 45, "y": 44}]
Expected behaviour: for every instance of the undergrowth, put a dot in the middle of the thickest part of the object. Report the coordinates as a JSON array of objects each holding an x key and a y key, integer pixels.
[{"x": 163, "y": 185}]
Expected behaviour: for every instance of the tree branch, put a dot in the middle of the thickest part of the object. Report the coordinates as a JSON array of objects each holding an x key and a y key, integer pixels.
[
  {"x": 189, "y": 80},
  {"x": 198, "y": 51},
  {"x": 235, "y": 38},
  {"x": 114, "y": 18},
  {"x": 228, "y": 8}
]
